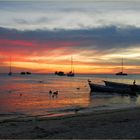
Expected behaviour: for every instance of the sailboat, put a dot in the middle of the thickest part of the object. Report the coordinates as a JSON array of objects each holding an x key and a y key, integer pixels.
[
  {"x": 10, "y": 71},
  {"x": 121, "y": 73},
  {"x": 71, "y": 73}
]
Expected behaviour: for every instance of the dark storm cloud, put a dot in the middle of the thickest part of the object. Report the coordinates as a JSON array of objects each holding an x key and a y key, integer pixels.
[{"x": 99, "y": 38}]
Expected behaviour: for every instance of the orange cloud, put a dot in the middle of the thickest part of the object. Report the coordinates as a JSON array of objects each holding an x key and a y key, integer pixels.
[{"x": 50, "y": 56}]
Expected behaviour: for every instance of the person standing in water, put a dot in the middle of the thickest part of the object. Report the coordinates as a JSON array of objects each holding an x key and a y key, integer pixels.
[{"x": 133, "y": 88}]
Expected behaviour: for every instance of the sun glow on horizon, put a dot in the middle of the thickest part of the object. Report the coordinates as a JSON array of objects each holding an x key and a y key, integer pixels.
[
  {"x": 42, "y": 36},
  {"x": 66, "y": 67}
]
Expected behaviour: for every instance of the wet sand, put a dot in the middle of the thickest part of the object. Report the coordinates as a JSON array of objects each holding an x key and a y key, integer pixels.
[{"x": 122, "y": 123}]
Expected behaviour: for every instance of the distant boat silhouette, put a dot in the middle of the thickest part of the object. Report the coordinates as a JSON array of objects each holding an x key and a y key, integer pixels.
[
  {"x": 23, "y": 73},
  {"x": 28, "y": 73},
  {"x": 122, "y": 73},
  {"x": 71, "y": 73},
  {"x": 60, "y": 73},
  {"x": 10, "y": 69}
]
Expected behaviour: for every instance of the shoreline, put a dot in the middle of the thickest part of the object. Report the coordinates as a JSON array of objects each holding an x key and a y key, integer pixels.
[
  {"x": 64, "y": 113},
  {"x": 118, "y": 123}
]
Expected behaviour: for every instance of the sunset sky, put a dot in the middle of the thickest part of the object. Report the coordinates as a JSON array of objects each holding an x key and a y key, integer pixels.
[{"x": 41, "y": 36}]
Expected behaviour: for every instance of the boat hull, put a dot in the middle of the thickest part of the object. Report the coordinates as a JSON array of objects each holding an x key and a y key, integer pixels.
[
  {"x": 121, "y": 74},
  {"x": 103, "y": 88},
  {"x": 122, "y": 85},
  {"x": 70, "y": 74},
  {"x": 108, "y": 89}
]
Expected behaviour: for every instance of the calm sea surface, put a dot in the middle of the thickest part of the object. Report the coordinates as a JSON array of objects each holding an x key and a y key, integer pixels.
[{"x": 29, "y": 94}]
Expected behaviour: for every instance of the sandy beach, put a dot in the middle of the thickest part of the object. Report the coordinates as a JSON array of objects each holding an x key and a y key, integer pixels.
[{"x": 119, "y": 123}]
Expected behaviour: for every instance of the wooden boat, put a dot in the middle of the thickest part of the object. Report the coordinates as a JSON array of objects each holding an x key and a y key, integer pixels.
[
  {"x": 103, "y": 88},
  {"x": 122, "y": 85},
  {"x": 100, "y": 88},
  {"x": 121, "y": 73},
  {"x": 116, "y": 85}
]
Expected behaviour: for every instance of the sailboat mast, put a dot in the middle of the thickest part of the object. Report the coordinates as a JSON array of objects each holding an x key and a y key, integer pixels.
[
  {"x": 121, "y": 73},
  {"x": 10, "y": 69},
  {"x": 122, "y": 64},
  {"x": 10, "y": 65},
  {"x": 71, "y": 73},
  {"x": 72, "y": 69},
  {"x": 71, "y": 64}
]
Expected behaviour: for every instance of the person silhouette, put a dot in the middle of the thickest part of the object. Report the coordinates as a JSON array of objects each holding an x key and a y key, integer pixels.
[
  {"x": 134, "y": 82},
  {"x": 133, "y": 88}
]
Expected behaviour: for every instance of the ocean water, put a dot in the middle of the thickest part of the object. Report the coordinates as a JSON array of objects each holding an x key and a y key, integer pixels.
[{"x": 29, "y": 94}]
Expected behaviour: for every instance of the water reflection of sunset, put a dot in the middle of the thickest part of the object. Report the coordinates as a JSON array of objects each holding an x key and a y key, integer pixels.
[
  {"x": 25, "y": 94},
  {"x": 32, "y": 96}
]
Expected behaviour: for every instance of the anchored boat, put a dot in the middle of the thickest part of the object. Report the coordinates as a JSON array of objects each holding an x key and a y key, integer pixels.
[
  {"x": 123, "y": 89},
  {"x": 71, "y": 73},
  {"x": 122, "y": 85},
  {"x": 121, "y": 73}
]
